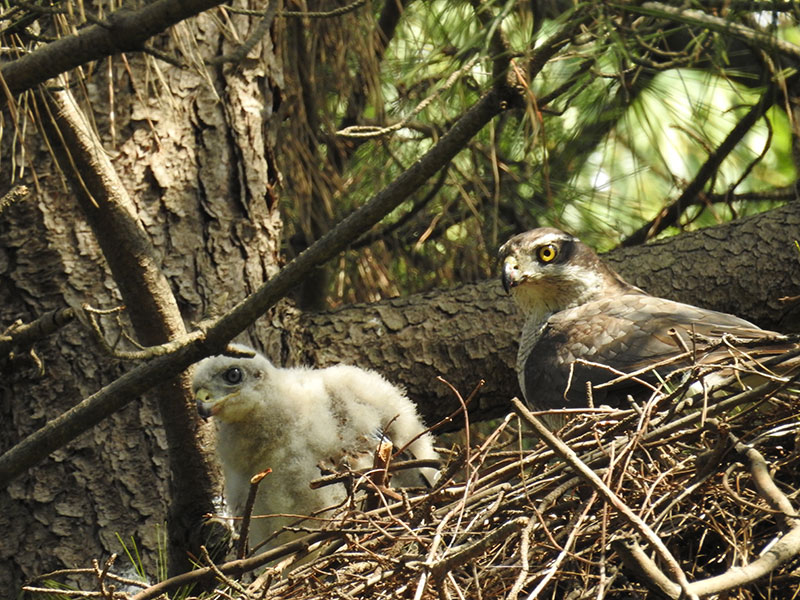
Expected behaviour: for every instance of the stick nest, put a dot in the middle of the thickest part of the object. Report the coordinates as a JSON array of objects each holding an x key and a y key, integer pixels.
[{"x": 689, "y": 495}]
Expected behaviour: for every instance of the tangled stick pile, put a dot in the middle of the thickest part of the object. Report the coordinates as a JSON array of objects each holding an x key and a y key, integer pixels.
[{"x": 655, "y": 500}]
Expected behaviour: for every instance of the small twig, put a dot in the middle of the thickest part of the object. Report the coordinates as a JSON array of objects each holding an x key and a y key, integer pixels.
[
  {"x": 244, "y": 528},
  {"x": 88, "y": 571},
  {"x": 369, "y": 131},
  {"x": 238, "y": 55},
  {"x": 553, "y": 568},
  {"x": 524, "y": 549},
  {"x": 220, "y": 575},
  {"x": 60, "y": 593},
  {"x": 594, "y": 480},
  {"x": 91, "y": 313},
  {"x": 14, "y": 195},
  {"x": 101, "y": 574},
  {"x": 644, "y": 569},
  {"x": 417, "y": 463},
  {"x": 463, "y": 554},
  {"x": 725, "y": 26},
  {"x": 634, "y": 375},
  {"x": 21, "y": 337},
  {"x": 377, "y": 476},
  {"x": 336, "y": 12}
]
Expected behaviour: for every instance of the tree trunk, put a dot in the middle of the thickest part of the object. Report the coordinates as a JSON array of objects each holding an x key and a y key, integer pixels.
[{"x": 195, "y": 160}]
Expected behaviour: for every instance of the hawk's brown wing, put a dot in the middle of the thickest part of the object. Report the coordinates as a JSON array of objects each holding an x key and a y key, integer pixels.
[{"x": 626, "y": 333}]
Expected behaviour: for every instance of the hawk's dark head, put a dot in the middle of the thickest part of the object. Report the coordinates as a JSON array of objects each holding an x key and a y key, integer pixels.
[{"x": 547, "y": 270}]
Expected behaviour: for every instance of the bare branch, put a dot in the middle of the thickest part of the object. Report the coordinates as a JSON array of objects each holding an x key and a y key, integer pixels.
[
  {"x": 20, "y": 337},
  {"x": 769, "y": 41},
  {"x": 124, "y": 31}
]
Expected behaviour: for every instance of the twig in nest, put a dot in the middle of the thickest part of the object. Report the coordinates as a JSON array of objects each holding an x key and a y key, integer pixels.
[
  {"x": 644, "y": 569},
  {"x": 524, "y": 550},
  {"x": 553, "y": 568},
  {"x": 244, "y": 529},
  {"x": 101, "y": 574},
  {"x": 764, "y": 482},
  {"x": 594, "y": 480},
  {"x": 463, "y": 554},
  {"x": 220, "y": 575},
  {"x": 402, "y": 465}
]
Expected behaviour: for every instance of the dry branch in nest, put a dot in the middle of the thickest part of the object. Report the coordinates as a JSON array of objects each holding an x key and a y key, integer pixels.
[{"x": 649, "y": 501}]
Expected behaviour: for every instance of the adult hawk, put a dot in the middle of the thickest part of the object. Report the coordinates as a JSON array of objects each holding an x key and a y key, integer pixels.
[
  {"x": 584, "y": 323},
  {"x": 295, "y": 422}
]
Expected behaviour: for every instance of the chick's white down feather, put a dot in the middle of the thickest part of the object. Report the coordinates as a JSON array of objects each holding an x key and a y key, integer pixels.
[{"x": 291, "y": 421}]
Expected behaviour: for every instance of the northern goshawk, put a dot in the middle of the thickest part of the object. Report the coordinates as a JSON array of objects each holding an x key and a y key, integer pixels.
[
  {"x": 297, "y": 422},
  {"x": 584, "y": 323}
]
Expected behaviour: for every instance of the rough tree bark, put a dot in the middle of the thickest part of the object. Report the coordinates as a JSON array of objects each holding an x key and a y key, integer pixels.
[{"x": 194, "y": 157}]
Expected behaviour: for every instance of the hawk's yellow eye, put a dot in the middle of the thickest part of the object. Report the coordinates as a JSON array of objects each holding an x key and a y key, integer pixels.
[{"x": 547, "y": 253}]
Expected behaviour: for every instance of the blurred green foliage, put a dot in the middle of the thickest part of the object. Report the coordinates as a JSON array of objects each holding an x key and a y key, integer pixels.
[{"x": 617, "y": 124}]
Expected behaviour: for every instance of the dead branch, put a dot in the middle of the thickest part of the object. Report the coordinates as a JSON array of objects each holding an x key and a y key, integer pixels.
[
  {"x": 123, "y": 31},
  {"x": 244, "y": 528},
  {"x": 22, "y": 336},
  {"x": 215, "y": 336}
]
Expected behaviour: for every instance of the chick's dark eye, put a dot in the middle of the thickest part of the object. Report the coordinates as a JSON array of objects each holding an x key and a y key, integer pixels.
[
  {"x": 547, "y": 253},
  {"x": 233, "y": 375}
]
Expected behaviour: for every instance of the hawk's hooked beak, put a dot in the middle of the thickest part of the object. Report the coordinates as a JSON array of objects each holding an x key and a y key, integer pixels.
[
  {"x": 510, "y": 275},
  {"x": 205, "y": 405}
]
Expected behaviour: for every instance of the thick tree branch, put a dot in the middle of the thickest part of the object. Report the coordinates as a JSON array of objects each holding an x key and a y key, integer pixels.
[
  {"x": 124, "y": 31},
  {"x": 213, "y": 338},
  {"x": 151, "y": 306},
  {"x": 470, "y": 332}
]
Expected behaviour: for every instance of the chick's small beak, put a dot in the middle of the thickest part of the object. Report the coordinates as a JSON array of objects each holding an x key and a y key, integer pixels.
[
  {"x": 510, "y": 275},
  {"x": 205, "y": 405}
]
